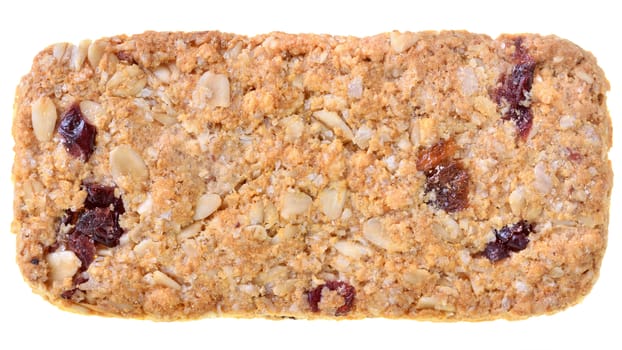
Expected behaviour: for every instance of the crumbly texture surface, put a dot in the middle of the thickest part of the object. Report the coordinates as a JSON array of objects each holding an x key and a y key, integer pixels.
[{"x": 282, "y": 176}]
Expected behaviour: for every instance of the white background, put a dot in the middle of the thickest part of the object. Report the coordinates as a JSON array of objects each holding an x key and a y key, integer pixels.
[{"x": 26, "y": 321}]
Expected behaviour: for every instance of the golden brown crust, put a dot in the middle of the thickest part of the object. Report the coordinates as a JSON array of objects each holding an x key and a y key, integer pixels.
[{"x": 307, "y": 157}]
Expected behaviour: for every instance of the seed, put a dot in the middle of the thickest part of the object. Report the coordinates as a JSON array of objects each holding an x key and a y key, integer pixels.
[
  {"x": 256, "y": 213},
  {"x": 164, "y": 118},
  {"x": 95, "y": 53},
  {"x": 128, "y": 81},
  {"x": 212, "y": 91},
  {"x": 332, "y": 200},
  {"x": 351, "y": 249},
  {"x": 91, "y": 111},
  {"x": 401, "y": 42},
  {"x": 374, "y": 232},
  {"x": 295, "y": 203},
  {"x": 43, "y": 118},
  {"x": 206, "y": 205},
  {"x": 164, "y": 280},
  {"x": 124, "y": 161},
  {"x": 78, "y": 54},
  {"x": 333, "y": 121}
]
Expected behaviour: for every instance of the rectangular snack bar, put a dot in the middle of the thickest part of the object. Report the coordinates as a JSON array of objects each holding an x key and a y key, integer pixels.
[{"x": 432, "y": 175}]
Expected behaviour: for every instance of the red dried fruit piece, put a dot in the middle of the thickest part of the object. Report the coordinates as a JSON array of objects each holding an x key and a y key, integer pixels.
[
  {"x": 101, "y": 196},
  {"x": 515, "y": 90},
  {"x": 517, "y": 242},
  {"x": 450, "y": 184},
  {"x": 77, "y": 134},
  {"x": 70, "y": 217},
  {"x": 574, "y": 155},
  {"x": 102, "y": 225},
  {"x": 78, "y": 278},
  {"x": 126, "y": 57},
  {"x": 345, "y": 290},
  {"x": 68, "y": 293},
  {"x": 496, "y": 251},
  {"x": 508, "y": 238},
  {"x": 83, "y": 246},
  {"x": 431, "y": 157}
]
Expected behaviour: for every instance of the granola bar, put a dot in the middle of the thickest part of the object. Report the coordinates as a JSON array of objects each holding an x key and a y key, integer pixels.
[{"x": 432, "y": 175}]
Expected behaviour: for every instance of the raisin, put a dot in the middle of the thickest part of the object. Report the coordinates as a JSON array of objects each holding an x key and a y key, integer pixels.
[
  {"x": 101, "y": 196},
  {"x": 70, "y": 217},
  {"x": 508, "y": 238},
  {"x": 77, "y": 134},
  {"x": 102, "y": 225},
  {"x": 450, "y": 184},
  {"x": 83, "y": 246},
  {"x": 496, "y": 251},
  {"x": 517, "y": 242},
  {"x": 126, "y": 57},
  {"x": 515, "y": 89},
  {"x": 68, "y": 293},
  {"x": 573, "y": 155},
  {"x": 345, "y": 290},
  {"x": 431, "y": 157},
  {"x": 97, "y": 222}
]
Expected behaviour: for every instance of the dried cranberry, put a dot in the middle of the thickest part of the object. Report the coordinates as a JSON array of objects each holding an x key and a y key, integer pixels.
[
  {"x": 574, "y": 155},
  {"x": 345, "y": 290},
  {"x": 68, "y": 293},
  {"x": 431, "y": 157},
  {"x": 77, "y": 134},
  {"x": 496, "y": 251},
  {"x": 515, "y": 89},
  {"x": 517, "y": 242},
  {"x": 508, "y": 238},
  {"x": 70, "y": 217},
  {"x": 102, "y": 225},
  {"x": 450, "y": 184},
  {"x": 126, "y": 57},
  {"x": 101, "y": 196},
  {"x": 83, "y": 246}
]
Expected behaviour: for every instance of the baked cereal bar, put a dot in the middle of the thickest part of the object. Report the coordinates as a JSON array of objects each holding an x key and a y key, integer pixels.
[{"x": 432, "y": 175}]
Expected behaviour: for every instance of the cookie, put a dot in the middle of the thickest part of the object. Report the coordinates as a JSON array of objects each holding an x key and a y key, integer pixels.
[{"x": 432, "y": 175}]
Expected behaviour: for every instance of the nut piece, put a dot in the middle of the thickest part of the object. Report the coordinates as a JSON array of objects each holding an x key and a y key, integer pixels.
[
  {"x": 256, "y": 213},
  {"x": 78, "y": 54},
  {"x": 63, "y": 264},
  {"x": 333, "y": 121},
  {"x": 416, "y": 278},
  {"x": 517, "y": 200},
  {"x": 163, "y": 74},
  {"x": 43, "y": 118},
  {"x": 295, "y": 203},
  {"x": 91, "y": 111},
  {"x": 189, "y": 231},
  {"x": 543, "y": 181},
  {"x": 206, "y": 205},
  {"x": 159, "y": 278},
  {"x": 212, "y": 91},
  {"x": 402, "y": 41},
  {"x": 294, "y": 126},
  {"x": 164, "y": 119},
  {"x": 362, "y": 137},
  {"x": 95, "y": 52},
  {"x": 424, "y": 132},
  {"x": 374, "y": 232},
  {"x": 124, "y": 161},
  {"x": 332, "y": 200},
  {"x": 351, "y": 249},
  {"x": 128, "y": 81}
]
